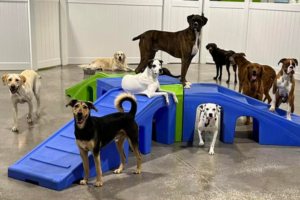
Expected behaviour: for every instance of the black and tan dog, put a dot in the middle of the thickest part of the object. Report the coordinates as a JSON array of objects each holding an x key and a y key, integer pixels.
[
  {"x": 221, "y": 57},
  {"x": 182, "y": 44},
  {"x": 94, "y": 133}
]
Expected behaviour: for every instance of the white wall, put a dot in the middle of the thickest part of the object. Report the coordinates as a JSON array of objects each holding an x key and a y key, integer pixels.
[
  {"x": 14, "y": 35},
  {"x": 47, "y": 33},
  {"x": 100, "y": 28},
  {"x": 272, "y": 35}
]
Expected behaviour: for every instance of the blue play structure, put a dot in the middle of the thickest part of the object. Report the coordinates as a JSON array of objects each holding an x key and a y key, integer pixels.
[
  {"x": 273, "y": 128},
  {"x": 56, "y": 163},
  {"x": 106, "y": 84}
]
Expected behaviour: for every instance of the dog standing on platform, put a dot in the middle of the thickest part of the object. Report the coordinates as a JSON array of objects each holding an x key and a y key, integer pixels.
[
  {"x": 23, "y": 88},
  {"x": 284, "y": 86},
  {"x": 94, "y": 133},
  {"x": 147, "y": 82},
  {"x": 208, "y": 122}
]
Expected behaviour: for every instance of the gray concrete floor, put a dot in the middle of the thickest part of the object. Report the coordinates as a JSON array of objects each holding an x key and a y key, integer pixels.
[{"x": 242, "y": 170}]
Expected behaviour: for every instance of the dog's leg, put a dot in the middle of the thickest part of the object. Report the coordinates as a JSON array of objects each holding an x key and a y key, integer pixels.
[
  {"x": 185, "y": 63},
  {"x": 29, "y": 116},
  {"x": 134, "y": 145},
  {"x": 85, "y": 160},
  {"x": 173, "y": 94},
  {"x": 15, "y": 113},
  {"x": 98, "y": 169},
  {"x": 247, "y": 121},
  {"x": 228, "y": 72},
  {"x": 221, "y": 69},
  {"x": 158, "y": 94},
  {"x": 217, "y": 71},
  {"x": 234, "y": 69},
  {"x": 120, "y": 147},
  {"x": 36, "y": 92},
  {"x": 201, "y": 143},
  {"x": 212, "y": 146},
  {"x": 289, "y": 107}
]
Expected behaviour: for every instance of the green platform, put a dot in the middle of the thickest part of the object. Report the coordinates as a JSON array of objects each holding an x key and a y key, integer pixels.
[{"x": 87, "y": 91}]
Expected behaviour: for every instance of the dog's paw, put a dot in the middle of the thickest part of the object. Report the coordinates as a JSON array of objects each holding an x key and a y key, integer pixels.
[
  {"x": 289, "y": 117},
  {"x": 272, "y": 109},
  {"x": 211, "y": 152},
  {"x": 247, "y": 122},
  {"x": 167, "y": 102},
  {"x": 215, "y": 78},
  {"x": 98, "y": 184},
  {"x": 137, "y": 171},
  {"x": 83, "y": 182},
  {"x": 38, "y": 114},
  {"x": 187, "y": 86},
  {"x": 188, "y": 83},
  {"x": 175, "y": 99},
  {"x": 235, "y": 82},
  {"x": 220, "y": 78},
  {"x": 227, "y": 81},
  {"x": 118, "y": 171},
  {"x": 201, "y": 143},
  {"x": 29, "y": 120},
  {"x": 15, "y": 129}
]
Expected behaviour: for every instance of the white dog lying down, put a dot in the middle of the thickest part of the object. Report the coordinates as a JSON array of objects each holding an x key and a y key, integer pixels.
[
  {"x": 23, "y": 87},
  {"x": 208, "y": 122},
  {"x": 147, "y": 82},
  {"x": 117, "y": 63}
]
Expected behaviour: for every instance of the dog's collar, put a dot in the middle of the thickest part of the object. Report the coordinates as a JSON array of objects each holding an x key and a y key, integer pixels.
[{"x": 207, "y": 123}]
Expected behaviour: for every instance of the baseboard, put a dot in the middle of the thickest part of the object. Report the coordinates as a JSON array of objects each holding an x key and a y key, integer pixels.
[
  {"x": 15, "y": 65},
  {"x": 86, "y": 60},
  {"x": 49, "y": 63},
  {"x": 209, "y": 59}
]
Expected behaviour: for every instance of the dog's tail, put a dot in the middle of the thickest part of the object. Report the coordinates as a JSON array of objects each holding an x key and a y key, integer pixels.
[
  {"x": 136, "y": 38},
  {"x": 168, "y": 73},
  {"x": 126, "y": 97}
]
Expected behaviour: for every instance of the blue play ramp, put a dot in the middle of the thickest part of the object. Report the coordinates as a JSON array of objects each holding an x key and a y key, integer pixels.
[
  {"x": 56, "y": 163},
  {"x": 105, "y": 84},
  {"x": 273, "y": 128}
]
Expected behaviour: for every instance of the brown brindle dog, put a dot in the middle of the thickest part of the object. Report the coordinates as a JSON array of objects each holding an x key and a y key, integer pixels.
[
  {"x": 268, "y": 78},
  {"x": 253, "y": 85},
  {"x": 284, "y": 86},
  {"x": 182, "y": 44},
  {"x": 94, "y": 133}
]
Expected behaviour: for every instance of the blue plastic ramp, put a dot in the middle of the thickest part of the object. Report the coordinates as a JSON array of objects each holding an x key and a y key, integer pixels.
[
  {"x": 105, "y": 84},
  {"x": 56, "y": 163},
  {"x": 273, "y": 128}
]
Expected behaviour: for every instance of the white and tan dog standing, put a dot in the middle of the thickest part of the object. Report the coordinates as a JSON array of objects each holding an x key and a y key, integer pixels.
[
  {"x": 208, "y": 122},
  {"x": 116, "y": 63},
  {"x": 23, "y": 87},
  {"x": 147, "y": 82},
  {"x": 284, "y": 86}
]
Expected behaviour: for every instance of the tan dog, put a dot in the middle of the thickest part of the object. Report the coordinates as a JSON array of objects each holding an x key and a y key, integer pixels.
[
  {"x": 284, "y": 86},
  {"x": 268, "y": 78},
  {"x": 253, "y": 85},
  {"x": 117, "y": 63},
  {"x": 23, "y": 87}
]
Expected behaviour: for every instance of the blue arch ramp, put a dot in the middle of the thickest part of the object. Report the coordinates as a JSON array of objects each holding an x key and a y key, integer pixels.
[
  {"x": 56, "y": 163},
  {"x": 273, "y": 128}
]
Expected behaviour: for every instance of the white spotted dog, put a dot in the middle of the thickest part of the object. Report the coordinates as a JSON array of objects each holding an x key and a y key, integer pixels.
[
  {"x": 284, "y": 86},
  {"x": 23, "y": 88},
  {"x": 147, "y": 82},
  {"x": 208, "y": 122}
]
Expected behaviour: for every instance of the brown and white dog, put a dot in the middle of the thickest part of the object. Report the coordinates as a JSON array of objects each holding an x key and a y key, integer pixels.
[
  {"x": 116, "y": 63},
  {"x": 182, "y": 44},
  {"x": 23, "y": 88},
  {"x": 284, "y": 86}
]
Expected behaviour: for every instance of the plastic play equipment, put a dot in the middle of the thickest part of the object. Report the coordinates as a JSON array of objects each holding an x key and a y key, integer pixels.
[
  {"x": 166, "y": 83},
  {"x": 273, "y": 128},
  {"x": 86, "y": 90},
  {"x": 56, "y": 163}
]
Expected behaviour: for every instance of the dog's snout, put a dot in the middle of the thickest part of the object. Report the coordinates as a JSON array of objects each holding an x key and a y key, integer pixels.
[
  {"x": 210, "y": 114},
  {"x": 292, "y": 67},
  {"x": 12, "y": 86},
  {"x": 79, "y": 114},
  {"x": 254, "y": 72}
]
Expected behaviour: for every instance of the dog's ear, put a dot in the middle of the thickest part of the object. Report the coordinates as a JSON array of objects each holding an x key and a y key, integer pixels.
[
  {"x": 246, "y": 71},
  {"x": 150, "y": 62},
  {"x": 115, "y": 55},
  {"x": 124, "y": 56},
  {"x": 4, "y": 79},
  {"x": 204, "y": 19},
  {"x": 282, "y": 61},
  {"x": 219, "y": 108},
  {"x": 72, "y": 103},
  {"x": 243, "y": 54},
  {"x": 161, "y": 62},
  {"x": 207, "y": 46},
  {"x": 23, "y": 78},
  {"x": 91, "y": 106},
  {"x": 296, "y": 61},
  {"x": 263, "y": 71},
  {"x": 189, "y": 18}
]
